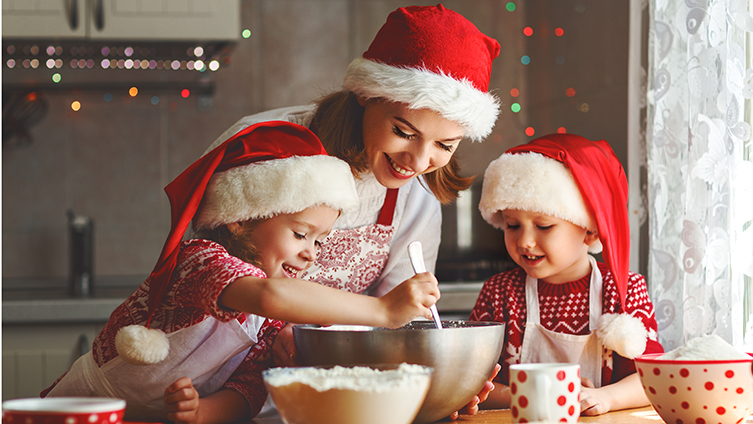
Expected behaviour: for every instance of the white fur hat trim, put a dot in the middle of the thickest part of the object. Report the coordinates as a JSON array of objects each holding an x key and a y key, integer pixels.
[
  {"x": 535, "y": 183},
  {"x": 139, "y": 345},
  {"x": 622, "y": 333},
  {"x": 267, "y": 188},
  {"x": 456, "y": 100}
]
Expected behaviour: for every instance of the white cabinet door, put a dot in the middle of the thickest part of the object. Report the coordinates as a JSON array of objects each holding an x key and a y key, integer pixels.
[
  {"x": 155, "y": 20},
  {"x": 44, "y": 18},
  {"x": 165, "y": 20}
]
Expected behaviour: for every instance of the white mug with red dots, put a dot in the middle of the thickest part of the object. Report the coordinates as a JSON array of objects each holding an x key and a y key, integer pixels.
[{"x": 545, "y": 392}]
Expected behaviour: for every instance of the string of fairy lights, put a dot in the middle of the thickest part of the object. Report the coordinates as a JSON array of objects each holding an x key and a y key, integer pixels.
[{"x": 67, "y": 57}]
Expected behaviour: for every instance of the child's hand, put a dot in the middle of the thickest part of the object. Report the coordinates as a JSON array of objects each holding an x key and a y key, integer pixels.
[
  {"x": 182, "y": 402},
  {"x": 472, "y": 407},
  {"x": 411, "y": 299},
  {"x": 591, "y": 403},
  {"x": 283, "y": 348}
]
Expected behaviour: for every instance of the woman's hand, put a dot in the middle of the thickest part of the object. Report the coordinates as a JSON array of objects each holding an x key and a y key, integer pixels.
[
  {"x": 411, "y": 299},
  {"x": 472, "y": 407},
  {"x": 182, "y": 402},
  {"x": 283, "y": 348}
]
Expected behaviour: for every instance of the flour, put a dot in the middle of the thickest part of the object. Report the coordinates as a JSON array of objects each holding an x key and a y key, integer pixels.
[
  {"x": 705, "y": 348},
  {"x": 405, "y": 377}
]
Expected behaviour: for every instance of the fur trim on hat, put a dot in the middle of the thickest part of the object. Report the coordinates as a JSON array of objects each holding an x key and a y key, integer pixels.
[
  {"x": 456, "y": 100},
  {"x": 264, "y": 189},
  {"x": 535, "y": 183},
  {"x": 139, "y": 345},
  {"x": 622, "y": 333}
]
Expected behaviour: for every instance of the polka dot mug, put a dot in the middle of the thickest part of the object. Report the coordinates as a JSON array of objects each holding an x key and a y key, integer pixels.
[
  {"x": 64, "y": 410},
  {"x": 545, "y": 392}
]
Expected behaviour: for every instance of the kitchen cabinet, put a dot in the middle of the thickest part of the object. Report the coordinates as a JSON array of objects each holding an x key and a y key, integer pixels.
[
  {"x": 34, "y": 356},
  {"x": 125, "y": 20}
]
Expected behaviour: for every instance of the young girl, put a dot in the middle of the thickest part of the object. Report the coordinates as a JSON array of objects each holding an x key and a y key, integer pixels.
[
  {"x": 260, "y": 204},
  {"x": 559, "y": 198}
]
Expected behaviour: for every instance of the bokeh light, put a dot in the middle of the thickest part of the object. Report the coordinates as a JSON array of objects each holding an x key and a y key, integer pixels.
[
  {"x": 155, "y": 100},
  {"x": 515, "y": 107},
  {"x": 561, "y": 130},
  {"x": 530, "y": 132},
  {"x": 510, "y": 7},
  {"x": 514, "y": 92},
  {"x": 56, "y": 78},
  {"x": 583, "y": 107},
  {"x": 133, "y": 91},
  {"x": 246, "y": 33},
  {"x": 525, "y": 59},
  {"x": 559, "y": 32},
  {"x": 185, "y": 93},
  {"x": 76, "y": 105},
  {"x": 570, "y": 92},
  {"x": 214, "y": 65},
  {"x": 108, "y": 97},
  {"x": 528, "y": 31}
]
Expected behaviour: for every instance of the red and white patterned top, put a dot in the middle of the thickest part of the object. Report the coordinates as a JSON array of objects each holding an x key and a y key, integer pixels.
[
  {"x": 203, "y": 270},
  {"x": 564, "y": 308}
]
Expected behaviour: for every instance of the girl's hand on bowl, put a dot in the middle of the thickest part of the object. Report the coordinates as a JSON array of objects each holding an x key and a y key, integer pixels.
[
  {"x": 283, "y": 348},
  {"x": 411, "y": 299},
  {"x": 472, "y": 407}
]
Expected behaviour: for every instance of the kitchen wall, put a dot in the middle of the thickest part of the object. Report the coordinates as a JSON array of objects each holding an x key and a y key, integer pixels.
[{"x": 111, "y": 159}]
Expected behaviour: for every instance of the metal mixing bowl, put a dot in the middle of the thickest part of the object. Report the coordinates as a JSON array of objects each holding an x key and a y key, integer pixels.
[{"x": 462, "y": 354}]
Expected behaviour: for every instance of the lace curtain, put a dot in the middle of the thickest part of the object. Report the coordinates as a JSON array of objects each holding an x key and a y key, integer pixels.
[{"x": 700, "y": 176}]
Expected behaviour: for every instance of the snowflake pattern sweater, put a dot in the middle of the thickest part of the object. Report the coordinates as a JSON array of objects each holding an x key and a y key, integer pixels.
[{"x": 564, "y": 308}]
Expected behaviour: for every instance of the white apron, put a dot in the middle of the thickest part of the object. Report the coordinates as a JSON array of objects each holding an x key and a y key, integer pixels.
[
  {"x": 353, "y": 259},
  {"x": 541, "y": 345},
  {"x": 208, "y": 353}
]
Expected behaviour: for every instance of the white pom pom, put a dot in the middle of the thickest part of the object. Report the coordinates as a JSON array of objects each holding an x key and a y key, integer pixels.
[
  {"x": 139, "y": 345},
  {"x": 623, "y": 334}
]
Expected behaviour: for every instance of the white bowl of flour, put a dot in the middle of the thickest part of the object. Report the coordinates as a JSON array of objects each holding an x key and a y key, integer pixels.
[
  {"x": 705, "y": 381},
  {"x": 346, "y": 395}
]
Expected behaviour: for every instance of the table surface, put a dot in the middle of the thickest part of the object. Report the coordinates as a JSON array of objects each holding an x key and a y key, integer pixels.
[{"x": 645, "y": 415}]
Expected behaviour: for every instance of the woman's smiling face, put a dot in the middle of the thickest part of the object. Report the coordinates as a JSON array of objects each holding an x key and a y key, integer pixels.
[{"x": 402, "y": 143}]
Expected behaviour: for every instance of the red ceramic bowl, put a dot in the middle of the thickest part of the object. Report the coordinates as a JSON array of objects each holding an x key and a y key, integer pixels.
[
  {"x": 695, "y": 392},
  {"x": 62, "y": 410}
]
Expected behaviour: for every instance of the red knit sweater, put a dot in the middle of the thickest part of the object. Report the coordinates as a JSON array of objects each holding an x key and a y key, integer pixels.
[{"x": 564, "y": 308}]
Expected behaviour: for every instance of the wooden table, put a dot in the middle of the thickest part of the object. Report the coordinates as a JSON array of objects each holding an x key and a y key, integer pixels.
[{"x": 645, "y": 415}]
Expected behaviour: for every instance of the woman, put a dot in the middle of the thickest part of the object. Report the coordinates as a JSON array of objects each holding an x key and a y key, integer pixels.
[{"x": 419, "y": 89}]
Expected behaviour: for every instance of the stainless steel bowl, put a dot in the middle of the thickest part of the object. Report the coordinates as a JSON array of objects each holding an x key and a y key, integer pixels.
[{"x": 462, "y": 354}]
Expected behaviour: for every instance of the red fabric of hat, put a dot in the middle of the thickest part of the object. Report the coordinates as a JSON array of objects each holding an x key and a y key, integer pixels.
[
  {"x": 603, "y": 185},
  {"x": 438, "y": 39},
  {"x": 259, "y": 142}
]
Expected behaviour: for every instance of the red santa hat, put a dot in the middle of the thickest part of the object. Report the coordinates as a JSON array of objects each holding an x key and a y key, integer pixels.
[
  {"x": 581, "y": 181},
  {"x": 266, "y": 169},
  {"x": 431, "y": 57}
]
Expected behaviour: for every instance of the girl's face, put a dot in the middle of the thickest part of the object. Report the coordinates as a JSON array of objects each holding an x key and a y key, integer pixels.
[
  {"x": 547, "y": 248},
  {"x": 403, "y": 143},
  {"x": 287, "y": 244}
]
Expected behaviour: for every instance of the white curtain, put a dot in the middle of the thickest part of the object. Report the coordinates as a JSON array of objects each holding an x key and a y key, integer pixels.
[{"x": 700, "y": 176}]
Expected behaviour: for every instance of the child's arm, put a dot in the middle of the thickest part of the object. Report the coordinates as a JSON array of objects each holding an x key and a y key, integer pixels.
[
  {"x": 301, "y": 301},
  {"x": 185, "y": 407},
  {"x": 499, "y": 398},
  {"x": 624, "y": 394}
]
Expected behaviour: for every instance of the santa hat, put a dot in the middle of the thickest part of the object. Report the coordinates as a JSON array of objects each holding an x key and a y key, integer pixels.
[
  {"x": 266, "y": 169},
  {"x": 431, "y": 57},
  {"x": 578, "y": 180}
]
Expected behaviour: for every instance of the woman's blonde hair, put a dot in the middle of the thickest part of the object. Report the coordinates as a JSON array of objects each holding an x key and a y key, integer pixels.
[{"x": 338, "y": 124}]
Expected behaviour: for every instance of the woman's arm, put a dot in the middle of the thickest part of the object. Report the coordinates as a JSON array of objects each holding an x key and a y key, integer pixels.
[{"x": 307, "y": 302}]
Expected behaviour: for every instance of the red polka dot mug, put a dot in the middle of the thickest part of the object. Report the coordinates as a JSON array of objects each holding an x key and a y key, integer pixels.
[
  {"x": 545, "y": 392},
  {"x": 64, "y": 410}
]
